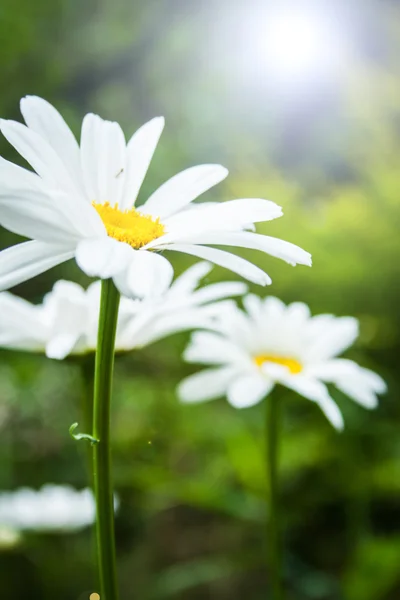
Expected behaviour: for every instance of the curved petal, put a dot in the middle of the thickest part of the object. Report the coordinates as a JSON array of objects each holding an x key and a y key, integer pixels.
[
  {"x": 140, "y": 151},
  {"x": 248, "y": 390},
  {"x": 317, "y": 392},
  {"x": 190, "y": 279},
  {"x": 60, "y": 346},
  {"x": 358, "y": 391},
  {"x": 103, "y": 257},
  {"x": 288, "y": 252},
  {"x": 166, "y": 324},
  {"x": 148, "y": 274},
  {"x": 217, "y": 291},
  {"x": 212, "y": 217},
  {"x": 181, "y": 189},
  {"x": 26, "y": 260},
  {"x": 234, "y": 263},
  {"x": 39, "y": 154},
  {"x": 205, "y": 385},
  {"x": 333, "y": 337},
  {"x": 31, "y": 214},
  {"x": 360, "y": 384},
  {"x": 42, "y": 117},
  {"x": 21, "y": 324},
  {"x": 253, "y": 305},
  {"x": 103, "y": 155},
  {"x": 211, "y": 348}
]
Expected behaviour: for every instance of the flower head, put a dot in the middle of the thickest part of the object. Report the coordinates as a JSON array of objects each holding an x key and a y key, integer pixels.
[
  {"x": 67, "y": 320},
  {"x": 81, "y": 203},
  {"x": 272, "y": 343}
]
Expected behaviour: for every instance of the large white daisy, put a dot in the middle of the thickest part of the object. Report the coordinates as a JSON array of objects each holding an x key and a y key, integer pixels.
[
  {"x": 81, "y": 203},
  {"x": 67, "y": 320},
  {"x": 272, "y": 343}
]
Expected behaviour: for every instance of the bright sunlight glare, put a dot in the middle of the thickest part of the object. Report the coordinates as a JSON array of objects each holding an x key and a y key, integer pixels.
[{"x": 299, "y": 44}]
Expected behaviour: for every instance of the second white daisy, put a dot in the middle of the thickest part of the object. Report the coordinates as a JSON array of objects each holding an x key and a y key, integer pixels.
[{"x": 272, "y": 343}]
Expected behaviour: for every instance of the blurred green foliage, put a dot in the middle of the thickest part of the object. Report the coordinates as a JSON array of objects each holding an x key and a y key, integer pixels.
[{"x": 191, "y": 479}]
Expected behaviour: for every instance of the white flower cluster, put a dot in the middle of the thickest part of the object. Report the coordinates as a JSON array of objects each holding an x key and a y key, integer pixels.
[
  {"x": 67, "y": 320},
  {"x": 80, "y": 202}
]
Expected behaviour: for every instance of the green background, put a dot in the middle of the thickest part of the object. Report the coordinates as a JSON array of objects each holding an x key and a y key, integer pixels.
[{"x": 191, "y": 479}]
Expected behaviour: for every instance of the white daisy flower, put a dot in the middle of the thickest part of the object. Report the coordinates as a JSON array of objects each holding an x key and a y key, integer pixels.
[
  {"x": 52, "y": 508},
  {"x": 81, "y": 203},
  {"x": 67, "y": 320},
  {"x": 272, "y": 343}
]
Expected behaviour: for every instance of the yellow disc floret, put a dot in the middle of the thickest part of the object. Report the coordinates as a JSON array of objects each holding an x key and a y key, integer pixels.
[
  {"x": 129, "y": 226},
  {"x": 291, "y": 363}
]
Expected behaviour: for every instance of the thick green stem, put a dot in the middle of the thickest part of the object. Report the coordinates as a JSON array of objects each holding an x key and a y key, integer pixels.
[
  {"x": 101, "y": 431},
  {"x": 273, "y": 532}
]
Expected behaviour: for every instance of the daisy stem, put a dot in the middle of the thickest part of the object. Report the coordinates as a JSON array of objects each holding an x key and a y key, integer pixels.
[
  {"x": 273, "y": 532},
  {"x": 103, "y": 376},
  {"x": 87, "y": 376}
]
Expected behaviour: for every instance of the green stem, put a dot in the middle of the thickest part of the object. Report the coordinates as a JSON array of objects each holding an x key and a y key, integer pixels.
[
  {"x": 87, "y": 376},
  {"x": 87, "y": 373},
  {"x": 101, "y": 430},
  {"x": 273, "y": 532}
]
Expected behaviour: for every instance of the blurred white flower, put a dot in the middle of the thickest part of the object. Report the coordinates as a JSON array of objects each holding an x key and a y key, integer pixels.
[
  {"x": 272, "y": 343},
  {"x": 80, "y": 203},
  {"x": 52, "y": 508},
  {"x": 67, "y": 321}
]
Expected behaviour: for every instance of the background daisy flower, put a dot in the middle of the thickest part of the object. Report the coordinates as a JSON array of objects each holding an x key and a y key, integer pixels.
[
  {"x": 81, "y": 203},
  {"x": 272, "y": 343},
  {"x": 67, "y": 320}
]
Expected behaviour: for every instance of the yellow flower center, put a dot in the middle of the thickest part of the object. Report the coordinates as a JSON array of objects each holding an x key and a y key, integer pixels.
[
  {"x": 129, "y": 226},
  {"x": 291, "y": 363}
]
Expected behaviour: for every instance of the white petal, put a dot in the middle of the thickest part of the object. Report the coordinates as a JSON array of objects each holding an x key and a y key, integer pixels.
[
  {"x": 181, "y": 189},
  {"x": 34, "y": 209},
  {"x": 26, "y": 260},
  {"x": 253, "y": 306},
  {"x": 190, "y": 279},
  {"x": 205, "y": 385},
  {"x": 317, "y": 392},
  {"x": 42, "y": 117},
  {"x": 158, "y": 328},
  {"x": 103, "y": 155},
  {"x": 248, "y": 390},
  {"x": 212, "y": 217},
  {"x": 39, "y": 154},
  {"x": 21, "y": 324},
  {"x": 217, "y": 291},
  {"x": 140, "y": 151},
  {"x": 360, "y": 384},
  {"x": 103, "y": 257},
  {"x": 31, "y": 214},
  {"x": 355, "y": 389},
  {"x": 148, "y": 274},
  {"x": 211, "y": 348},
  {"x": 245, "y": 239},
  {"x": 234, "y": 263},
  {"x": 61, "y": 346},
  {"x": 334, "y": 336}
]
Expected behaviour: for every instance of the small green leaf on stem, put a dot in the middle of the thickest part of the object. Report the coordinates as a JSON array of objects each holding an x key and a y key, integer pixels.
[{"x": 82, "y": 436}]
